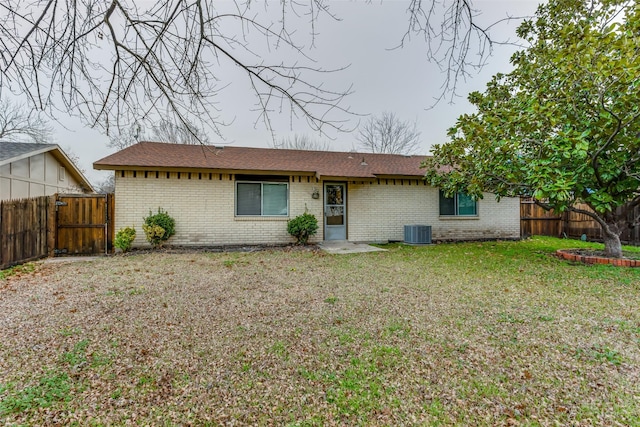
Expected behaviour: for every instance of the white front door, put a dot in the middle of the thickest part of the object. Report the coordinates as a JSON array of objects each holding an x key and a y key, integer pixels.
[{"x": 335, "y": 213}]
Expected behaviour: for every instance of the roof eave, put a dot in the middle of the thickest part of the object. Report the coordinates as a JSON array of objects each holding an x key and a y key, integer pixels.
[
  {"x": 69, "y": 165},
  {"x": 102, "y": 166}
]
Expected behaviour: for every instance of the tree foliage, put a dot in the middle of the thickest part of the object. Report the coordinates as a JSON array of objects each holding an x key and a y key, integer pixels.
[
  {"x": 564, "y": 125},
  {"x": 21, "y": 124},
  {"x": 389, "y": 134}
]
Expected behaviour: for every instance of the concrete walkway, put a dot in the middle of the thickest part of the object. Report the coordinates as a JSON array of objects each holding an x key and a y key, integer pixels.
[
  {"x": 346, "y": 247},
  {"x": 63, "y": 259}
]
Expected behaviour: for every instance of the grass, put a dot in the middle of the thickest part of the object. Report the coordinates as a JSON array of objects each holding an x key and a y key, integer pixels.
[
  {"x": 51, "y": 388},
  {"x": 454, "y": 334},
  {"x": 17, "y": 270}
]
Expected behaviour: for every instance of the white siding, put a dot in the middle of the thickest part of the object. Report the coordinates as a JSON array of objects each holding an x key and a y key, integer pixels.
[{"x": 34, "y": 176}]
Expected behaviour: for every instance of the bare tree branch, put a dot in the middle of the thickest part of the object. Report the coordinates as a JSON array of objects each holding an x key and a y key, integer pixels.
[
  {"x": 302, "y": 142},
  {"x": 161, "y": 131},
  {"x": 113, "y": 63},
  {"x": 388, "y": 134},
  {"x": 166, "y": 131},
  {"x": 107, "y": 185},
  {"x": 19, "y": 124},
  {"x": 454, "y": 39}
]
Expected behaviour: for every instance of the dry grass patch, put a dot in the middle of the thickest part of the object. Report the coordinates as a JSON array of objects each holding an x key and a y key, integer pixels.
[{"x": 477, "y": 333}]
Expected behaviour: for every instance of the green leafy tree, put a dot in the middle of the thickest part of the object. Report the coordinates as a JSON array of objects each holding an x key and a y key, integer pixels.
[{"x": 564, "y": 125}]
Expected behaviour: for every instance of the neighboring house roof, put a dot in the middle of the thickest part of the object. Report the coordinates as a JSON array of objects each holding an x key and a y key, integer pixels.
[
  {"x": 156, "y": 155},
  {"x": 14, "y": 151}
]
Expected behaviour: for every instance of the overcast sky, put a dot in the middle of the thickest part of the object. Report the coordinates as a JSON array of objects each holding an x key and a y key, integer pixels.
[{"x": 382, "y": 79}]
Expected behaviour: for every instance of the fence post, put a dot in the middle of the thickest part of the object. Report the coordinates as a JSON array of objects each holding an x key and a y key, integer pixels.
[
  {"x": 51, "y": 224},
  {"x": 3, "y": 247}
]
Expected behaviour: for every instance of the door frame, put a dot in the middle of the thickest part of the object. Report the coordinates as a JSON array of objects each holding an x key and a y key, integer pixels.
[{"x": 344, "y": 226}]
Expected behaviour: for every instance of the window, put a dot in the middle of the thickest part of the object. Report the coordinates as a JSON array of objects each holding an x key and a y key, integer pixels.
[
  {"x": 262, "y": 199},
  {"x": 458, "y": 205},
  {"x": 62, "y": 173}
]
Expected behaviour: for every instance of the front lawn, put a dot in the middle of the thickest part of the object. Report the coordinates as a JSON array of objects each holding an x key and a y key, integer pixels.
[{"x": 470, "y": 334}]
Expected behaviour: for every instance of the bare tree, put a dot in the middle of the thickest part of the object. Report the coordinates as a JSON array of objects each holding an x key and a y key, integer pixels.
[
  {"x": 388, "y": 134},
  {"x": 111, "y": 61},
  {"x": 179, "y": 133},
  {"x": 75, "y": 159},
  {"x": 163, "y": 131},
  {"x": 302, "y": 142},
  {"x": 107, "y": 185},
  {"x": 126, "y": 136},
  {"x": 19, "y": 124}
]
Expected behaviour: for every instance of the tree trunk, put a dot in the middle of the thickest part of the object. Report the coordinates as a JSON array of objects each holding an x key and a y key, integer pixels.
[{"x": 612, "y": 245}]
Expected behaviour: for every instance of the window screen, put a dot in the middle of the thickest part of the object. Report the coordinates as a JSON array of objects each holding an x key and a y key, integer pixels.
[{"x": 262, "y": 199}]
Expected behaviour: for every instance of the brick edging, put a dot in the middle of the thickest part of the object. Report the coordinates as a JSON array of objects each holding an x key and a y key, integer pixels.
[{"x": 592, "y": 259}]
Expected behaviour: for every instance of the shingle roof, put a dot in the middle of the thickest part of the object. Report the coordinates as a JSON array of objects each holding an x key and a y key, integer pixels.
[
  {"x": 10, "y": 150},
  {"x": 149, "y": 155}
]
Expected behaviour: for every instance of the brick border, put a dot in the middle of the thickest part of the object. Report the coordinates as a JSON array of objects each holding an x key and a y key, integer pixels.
[{"x": 591, "y": 259}]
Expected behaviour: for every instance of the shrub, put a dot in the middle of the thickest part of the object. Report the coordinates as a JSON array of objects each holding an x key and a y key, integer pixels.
[
  {"x": 159, "y": 227},
  {"x": 124, "y": 238},
  {"x": 302, "y": 227}
]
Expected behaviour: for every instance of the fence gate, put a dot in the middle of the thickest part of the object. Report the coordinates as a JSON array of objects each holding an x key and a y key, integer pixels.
[{"x": 83, "y": 224}]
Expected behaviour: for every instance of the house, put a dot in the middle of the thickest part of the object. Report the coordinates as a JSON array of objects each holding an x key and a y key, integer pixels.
[
  {"x": 32, "y": 170},
  {"x": 239, "y": 195}
]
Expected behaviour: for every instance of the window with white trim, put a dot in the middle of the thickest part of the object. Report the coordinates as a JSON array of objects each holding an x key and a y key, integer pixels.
[
  {"x": 262, "y": 198},
  {"x": 458, "y": 205}
]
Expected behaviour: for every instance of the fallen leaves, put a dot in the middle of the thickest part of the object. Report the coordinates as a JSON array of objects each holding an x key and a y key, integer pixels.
[{"x": 409, "y": 336}]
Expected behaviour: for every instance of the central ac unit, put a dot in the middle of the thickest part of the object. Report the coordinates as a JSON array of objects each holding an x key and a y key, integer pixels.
[{"x": 417, "y": 234}]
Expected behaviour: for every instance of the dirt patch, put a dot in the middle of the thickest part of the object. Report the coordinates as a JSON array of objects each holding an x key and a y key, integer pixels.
[{"x": 220, "y": 249}]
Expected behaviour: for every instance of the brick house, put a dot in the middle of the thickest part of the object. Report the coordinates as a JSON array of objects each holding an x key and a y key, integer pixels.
[{"x": 239, "y": 195}]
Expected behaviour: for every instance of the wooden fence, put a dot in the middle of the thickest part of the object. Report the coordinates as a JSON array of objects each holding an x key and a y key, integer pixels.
[
  {"x": 27, "y": 230},
  {"x": 83, "y": 223},
  {"x": 35, "y": 228},
  {"x": 534, "y": 220}
]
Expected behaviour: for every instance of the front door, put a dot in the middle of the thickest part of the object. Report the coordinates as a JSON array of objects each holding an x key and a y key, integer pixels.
[{"x": 335, "y": 214}]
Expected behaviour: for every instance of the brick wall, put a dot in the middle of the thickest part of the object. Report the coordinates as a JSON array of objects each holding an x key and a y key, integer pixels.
[
  {"x": 203, "y": 206},
  {"x": 379, "y": 210}
]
